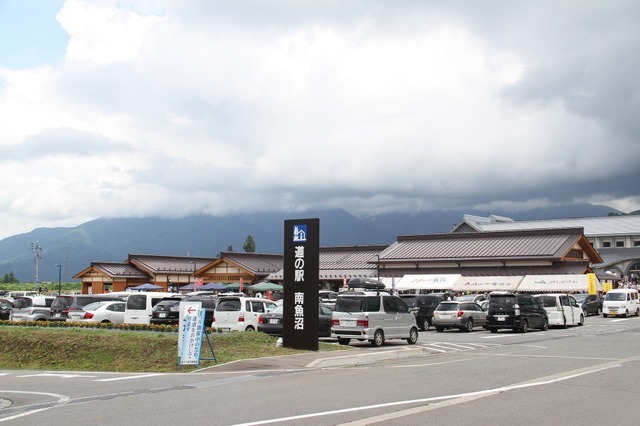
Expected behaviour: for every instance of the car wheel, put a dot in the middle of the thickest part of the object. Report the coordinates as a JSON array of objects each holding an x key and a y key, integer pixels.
[
  {"x": 378, "y": 338},
  {"x": 493, "y": 330},
  {"x": 545, "y": 324},
  {"x": 581, "y": 320},
  {"x": 525, "y": 326},
  {"x": 343, "y": 341},
  {"x": 469, "y": 326},
  {"x": 439, "y": 329},
  {"x": 424, "y": 325},
  {"x": 250, "y": 328},
  {"x": 626, "y": 313},
  {"x": 413, "y": 336},
  {"x": 599, "y": 310},
  {"x": 105, "y": 322},
  {"x": 604, "y": 315}
]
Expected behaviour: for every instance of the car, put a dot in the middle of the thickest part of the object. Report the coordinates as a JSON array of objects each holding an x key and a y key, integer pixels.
[
  {"x": 562, "y": 309},
  {"x": 461, "y": 315},
  {"x": 621, "y": 301},
  {"x": 167, "y": 310},
  {"x": 471, "y": 298},
  {"x": 516, "y": 311},
  {"x": 5, "y": 309},
  {"x": 590, "y": 303},
  {"x": 422, "y": 306},
  {"x": 12, "y": 295},
  {"x": 271, "y": 322},
  {"x": 64, "y": 304},
  {"x": 239, "y": 313},
  {"x": 31, "y": 308},
  {"x": 327, "y": 296},
  {"x": 110, "y": 311},
  {"x": 375, "y": 316}
]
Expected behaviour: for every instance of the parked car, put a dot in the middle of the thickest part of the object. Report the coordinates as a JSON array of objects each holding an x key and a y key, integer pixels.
[
  {"x": 271, "y": 322},
  {"x": 590, "y": 303},
  {"x": 518, "y": 312},
  {"x": 140, "y": 306},
  {"x": 239, "y": 313},
  {"x": 471, "y": 298},
  {"x": 64, "y": 304},
  {"x": 103, "y": 312},
  {"x": 12, "y": 295},
  {"x": 167, "y": 310},
  {"x": 622, "y": 301},
  {"x": 327, "y": 296},
  {"x": 461, "y": 315},
  {"x": 5, "y": 309},
  {"x": 422, "y": 306},
  {"x": 562, "y": 309},
  {"x": 36, "y": 308},
  {"x": 375, "y": 316}
]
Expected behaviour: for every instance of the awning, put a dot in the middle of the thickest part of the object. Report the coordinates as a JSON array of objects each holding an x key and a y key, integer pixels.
[
  {"x": 427, "y": 282},
  {"x": 558, "y": 283},
  {"x": 488, "y": 283}
]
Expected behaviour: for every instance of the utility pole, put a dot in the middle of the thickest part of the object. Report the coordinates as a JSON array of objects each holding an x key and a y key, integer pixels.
[{"x": 38, "y": 250}]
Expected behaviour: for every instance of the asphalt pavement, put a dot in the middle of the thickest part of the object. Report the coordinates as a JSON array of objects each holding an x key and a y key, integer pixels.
[{"x": 352, "y": 356}]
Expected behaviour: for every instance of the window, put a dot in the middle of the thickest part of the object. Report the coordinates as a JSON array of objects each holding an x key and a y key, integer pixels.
[
  {"x": 619, "y": 243},
  {"x": 229, "y": 305},
  {"x": 257, "y": 306},
  {"x": 636, "y": 243},
  {"x": 606, "y": 244}
]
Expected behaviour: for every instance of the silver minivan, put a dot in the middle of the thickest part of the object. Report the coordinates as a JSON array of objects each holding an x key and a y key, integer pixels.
[{"x": 375, "y": 316}]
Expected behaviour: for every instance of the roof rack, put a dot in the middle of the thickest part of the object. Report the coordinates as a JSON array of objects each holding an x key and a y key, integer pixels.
[{"x": 365, "y": 284}]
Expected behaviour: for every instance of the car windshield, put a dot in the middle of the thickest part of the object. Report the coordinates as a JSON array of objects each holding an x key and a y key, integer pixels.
[
  {"x": 22, "y": 302},
  {"x": 467, "y": 298},
  {"x": 228, "y": 305},
  {"x": 447, "y": 307},
  {"x": 615, "y": 297},
  {"x": 357, "y": 304},
  {"x": 168, "y": 302},
  {"x": 505, "y": 302},
  {"x": 548, "y": 301},
  {"x": 579, "y": 297},
  {"x": 61, "y": 302}
]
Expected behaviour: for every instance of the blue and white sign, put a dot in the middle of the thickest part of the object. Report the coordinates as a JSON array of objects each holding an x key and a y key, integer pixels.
[
  {"x": 190, "y": 332},
  {"x": 300, "y": 233}
]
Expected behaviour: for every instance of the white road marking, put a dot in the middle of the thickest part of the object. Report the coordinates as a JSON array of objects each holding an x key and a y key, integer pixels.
[
  {"x": 62, "y": 399},
  {"x": 140, "y": 376},
  {"x": 62, "y": 376}
]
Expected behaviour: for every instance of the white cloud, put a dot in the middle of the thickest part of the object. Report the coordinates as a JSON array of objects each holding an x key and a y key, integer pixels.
[{"x": 172, "y": 108}]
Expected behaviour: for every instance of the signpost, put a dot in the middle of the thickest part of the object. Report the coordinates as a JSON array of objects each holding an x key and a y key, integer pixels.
[
  {"x": 301, "y": 278},
  {"x": 191, "y": 327}
]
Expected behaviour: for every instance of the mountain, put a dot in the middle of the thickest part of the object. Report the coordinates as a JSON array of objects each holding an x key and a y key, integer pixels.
[{"x": 201, "y": 235}]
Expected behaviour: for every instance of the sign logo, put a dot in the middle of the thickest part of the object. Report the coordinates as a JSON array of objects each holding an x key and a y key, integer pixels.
[{"x": 300, "y": 233}]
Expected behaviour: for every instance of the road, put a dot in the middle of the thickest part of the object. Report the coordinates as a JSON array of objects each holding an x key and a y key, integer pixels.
[{"x": 579, "y": 375}]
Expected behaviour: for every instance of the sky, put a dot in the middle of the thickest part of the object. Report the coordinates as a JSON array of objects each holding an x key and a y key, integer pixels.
[{"x": 136, "y": 108}]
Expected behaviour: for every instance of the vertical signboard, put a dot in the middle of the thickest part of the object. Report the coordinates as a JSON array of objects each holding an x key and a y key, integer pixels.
[{"x": 301, "y": 278}]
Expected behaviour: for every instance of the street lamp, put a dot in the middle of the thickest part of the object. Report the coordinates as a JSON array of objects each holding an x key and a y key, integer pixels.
[
  {"x": 194, "y": 273},
  {"x": 59, "y": 277}
]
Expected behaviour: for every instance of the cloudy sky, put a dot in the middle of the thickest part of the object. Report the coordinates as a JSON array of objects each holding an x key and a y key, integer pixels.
[{"x": 130, "y": 108}]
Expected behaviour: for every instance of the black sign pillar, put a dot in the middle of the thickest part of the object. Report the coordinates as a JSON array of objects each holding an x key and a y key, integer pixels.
[{"x": 301, "y": 278}]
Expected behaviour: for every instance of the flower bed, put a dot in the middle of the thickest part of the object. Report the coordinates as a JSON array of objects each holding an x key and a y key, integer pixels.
[{"x": 161, "y": 328}]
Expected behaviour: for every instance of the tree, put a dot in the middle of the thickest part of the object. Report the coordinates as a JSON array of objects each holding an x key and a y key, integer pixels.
[
  {"x": 249, "y": 245},
  {"x": 230, "y": 248},
  {"x": 10, "y": 278}
]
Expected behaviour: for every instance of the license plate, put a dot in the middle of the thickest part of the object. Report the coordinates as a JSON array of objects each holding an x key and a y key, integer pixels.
[
  {"x": 162, "y": 314},
  {"x": 613, "y": 312},
  {"x": 501, "y": 318},
  {"x": 348, "y": 322},
  {"x": 56, "y": 315},
  {"x": 274, "y": 321}
]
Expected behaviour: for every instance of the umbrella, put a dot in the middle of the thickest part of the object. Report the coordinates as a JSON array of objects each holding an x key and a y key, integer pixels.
[
  {"x": 233, "y": 286},
  {"x": 266, "y": 286},
  {"x": 188, "y": 287},
  {"x": 213, "y": 286},
  {"x": 147, "y": 286}
]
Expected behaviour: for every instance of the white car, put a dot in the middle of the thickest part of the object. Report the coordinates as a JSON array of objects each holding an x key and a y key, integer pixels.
[
  {"x": 104, "y": 312},
  {"x": 562, "y": 309},
  {"x": 239, "y": 313}
]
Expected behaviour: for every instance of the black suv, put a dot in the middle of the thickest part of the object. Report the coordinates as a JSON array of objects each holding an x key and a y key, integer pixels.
[
  {"x": 518, "y": 312},
  {"x": 209, "y": 303},
  {"x": 422, "y": 306}
]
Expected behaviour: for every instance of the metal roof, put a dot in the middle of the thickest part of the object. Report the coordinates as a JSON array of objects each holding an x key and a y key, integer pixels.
[
  {"x": 169, "y": 264},
  {"x": 593, "y": 226},
  {"x": 529, "y": 245},
  {"x": 255, "y": 262},
  {"x": 119, "y": 269}
]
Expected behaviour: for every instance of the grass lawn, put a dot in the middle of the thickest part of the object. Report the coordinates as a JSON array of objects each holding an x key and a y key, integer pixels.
[{"x": 41, "y": 348}]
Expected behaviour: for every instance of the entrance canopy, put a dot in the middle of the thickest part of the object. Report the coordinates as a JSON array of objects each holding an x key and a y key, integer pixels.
[
  {"x": 427, "y": 282},
  {"x": 488, "y": 283},
  {"x": 558, "y": 283}
]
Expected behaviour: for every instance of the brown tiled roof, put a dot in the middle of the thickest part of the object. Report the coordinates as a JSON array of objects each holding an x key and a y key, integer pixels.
[
  {"x": 257, "y": 263},
  {"x": 168, "y": 264},
  {"x": 547, "y": 244},
  {"x": 119, "y": 269}
]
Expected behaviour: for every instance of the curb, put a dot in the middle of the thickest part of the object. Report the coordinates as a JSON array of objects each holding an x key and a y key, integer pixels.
[{"x": 364, "y": 359}]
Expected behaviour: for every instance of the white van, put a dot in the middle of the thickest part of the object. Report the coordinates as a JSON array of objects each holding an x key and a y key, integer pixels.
[
  {"x": 12, "y": 295},
  {"x": 562, "y": 309},
  {"x": 621, "y": 301},
  {"x": 239, "y": 313},
  {"x": 140, "y": 305}
]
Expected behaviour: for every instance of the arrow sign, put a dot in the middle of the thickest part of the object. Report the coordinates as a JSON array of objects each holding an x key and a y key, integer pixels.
[
  {"x": 187, "y": 309},
  {"x": 191, "y": 310}
]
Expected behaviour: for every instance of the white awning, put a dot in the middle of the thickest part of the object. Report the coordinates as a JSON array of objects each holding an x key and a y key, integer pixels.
[
  {"x": 558, "y": 283},
  {"x": 427, "y": 282},
  {"x": 487, "y": 283}
]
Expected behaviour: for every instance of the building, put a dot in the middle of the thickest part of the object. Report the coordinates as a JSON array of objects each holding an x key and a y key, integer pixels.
[{"x": 615, "y": 238}]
